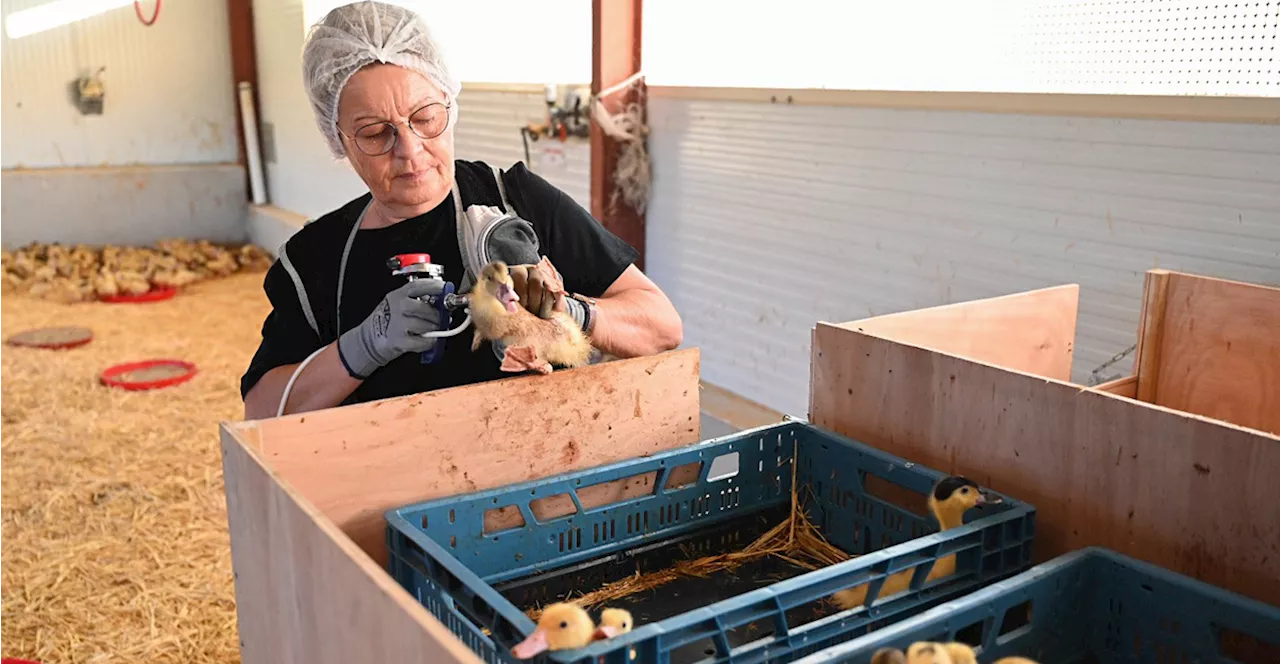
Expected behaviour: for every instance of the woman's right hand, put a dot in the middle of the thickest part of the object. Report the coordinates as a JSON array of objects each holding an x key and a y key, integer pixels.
[{"x": 395, "y": 327}]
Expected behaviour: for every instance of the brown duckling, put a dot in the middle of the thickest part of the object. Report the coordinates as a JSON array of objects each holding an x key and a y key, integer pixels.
[{"x": 531, "y": 342}]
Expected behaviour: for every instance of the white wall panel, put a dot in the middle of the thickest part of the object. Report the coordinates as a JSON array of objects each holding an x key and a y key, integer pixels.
[
  {"x": 167, "y": 101},
  {"x": 768, "y": 217},
  {"x": 488, "y": 130},
  {"x": 1149, "y": 47},
  {"x": 301, "y": 175}
]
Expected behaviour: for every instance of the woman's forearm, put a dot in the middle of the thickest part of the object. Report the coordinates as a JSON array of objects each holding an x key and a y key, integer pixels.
[
  {"x": 635, "y": 323},
  {"x": 324, "y": 383}
]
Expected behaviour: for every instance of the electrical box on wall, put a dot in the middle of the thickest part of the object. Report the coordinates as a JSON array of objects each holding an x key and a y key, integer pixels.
[{"x": 88, "y": 93}]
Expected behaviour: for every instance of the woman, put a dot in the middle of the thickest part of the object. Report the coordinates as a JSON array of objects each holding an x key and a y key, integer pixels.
[{"x": 385, "y": 100}]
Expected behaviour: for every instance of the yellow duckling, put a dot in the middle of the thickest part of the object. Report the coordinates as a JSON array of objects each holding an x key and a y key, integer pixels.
[
  {"x": 960, "y": 653},
  {"x": 929, "y": 652},
  {"x": 889, "y": 656},
  {"x": 561, "y": 626},
  {"x": 950, "y": 499},
  {"x": 614, "y": 622},
  {"x": 531, "y": 342}
]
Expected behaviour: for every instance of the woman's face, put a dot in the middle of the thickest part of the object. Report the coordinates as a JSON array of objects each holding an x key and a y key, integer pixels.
[{"x": 416, "y": 174}]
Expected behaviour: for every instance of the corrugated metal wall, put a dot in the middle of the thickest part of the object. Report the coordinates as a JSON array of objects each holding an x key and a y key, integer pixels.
[
  {"x": 175, "y": 109},
  {"x": 768, "y": 217},
  {"x": 489, "y": 130}
]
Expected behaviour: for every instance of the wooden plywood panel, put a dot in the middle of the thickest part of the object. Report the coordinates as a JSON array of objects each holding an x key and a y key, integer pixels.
[
  {"x": 1155, "y": 292},
  {"x": 1185, "y": 492},
  {"x": 356, "y": 462},
  {"x": 1125, "y": 387},
  {"x": 1218, "y": 351},
  {"x": 305, "y": 593},
  {"x": 1033, "y": 332}
]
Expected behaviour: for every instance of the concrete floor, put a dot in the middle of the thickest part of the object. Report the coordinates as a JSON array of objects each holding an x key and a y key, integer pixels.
[{"x": 711, "y": 427}]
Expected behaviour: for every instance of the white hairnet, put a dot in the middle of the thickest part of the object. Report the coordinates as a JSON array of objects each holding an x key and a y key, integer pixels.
[{"x": 358, "y": 34}]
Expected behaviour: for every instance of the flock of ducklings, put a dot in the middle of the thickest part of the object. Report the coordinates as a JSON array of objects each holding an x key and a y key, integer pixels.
[
  {"x": 566, "y": 626},
  {"x": 80, "y": 273}
]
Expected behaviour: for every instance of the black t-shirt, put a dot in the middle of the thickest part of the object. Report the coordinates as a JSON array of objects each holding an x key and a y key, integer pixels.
[{"x": 588, "y": 257}]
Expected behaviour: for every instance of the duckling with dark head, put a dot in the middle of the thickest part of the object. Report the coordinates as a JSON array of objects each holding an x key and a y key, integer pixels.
[{"x": 951, "y": 498}]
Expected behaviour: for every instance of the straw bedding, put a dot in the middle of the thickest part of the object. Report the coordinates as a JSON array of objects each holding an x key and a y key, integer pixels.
[
  {"x": 114, "y": 521},
  {"x": 795, "y": 540}
]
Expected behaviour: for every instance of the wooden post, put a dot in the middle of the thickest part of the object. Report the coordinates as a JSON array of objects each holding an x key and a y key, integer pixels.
[
  {"x": 1146, "y": 359},
  {"x": 615, "y": 55},
  {"x": 244, "y": 67}
]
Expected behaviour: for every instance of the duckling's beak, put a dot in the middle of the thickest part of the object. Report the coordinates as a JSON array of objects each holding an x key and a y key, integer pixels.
[
  {"x": 988, "y": 498},
  {"x": 536, "y": 643},
  {"x": 508, "y": 297},
  {"x": 604, "y": 632}
]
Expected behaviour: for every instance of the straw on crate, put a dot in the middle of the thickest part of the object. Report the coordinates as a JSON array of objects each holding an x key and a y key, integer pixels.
[{"x": 795, "y": 540}]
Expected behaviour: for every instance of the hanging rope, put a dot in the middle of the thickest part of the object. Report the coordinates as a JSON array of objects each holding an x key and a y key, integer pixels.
[
  {"x": 155, "y": 13},
  {"x": 631, "y": 175}
]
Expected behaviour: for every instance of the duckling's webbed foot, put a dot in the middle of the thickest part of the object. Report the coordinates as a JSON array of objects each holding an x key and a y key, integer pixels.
[{"x": 524, "y": 358}]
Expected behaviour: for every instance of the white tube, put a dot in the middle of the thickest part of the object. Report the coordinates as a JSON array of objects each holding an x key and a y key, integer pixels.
[
  {"x": 449, "y": 333},
  {"x": 288, "y": 387},
  {"x": 249, "y": 118}
]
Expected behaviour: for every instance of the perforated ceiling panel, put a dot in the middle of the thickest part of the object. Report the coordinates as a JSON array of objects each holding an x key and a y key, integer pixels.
[
  {"x": 1151, "y": 46},
  {"x": 1178, "y": 47}
]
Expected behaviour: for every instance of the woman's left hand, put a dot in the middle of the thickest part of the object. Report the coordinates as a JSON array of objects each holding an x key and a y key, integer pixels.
[{"x": 540, "y": 287}]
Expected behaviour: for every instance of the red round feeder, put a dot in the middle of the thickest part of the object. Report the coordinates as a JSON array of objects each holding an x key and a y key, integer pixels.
[
  {"x": 148, "y": 374},
  {"x": 56, "y": 338},
  {"x": 153, "y": 295}
]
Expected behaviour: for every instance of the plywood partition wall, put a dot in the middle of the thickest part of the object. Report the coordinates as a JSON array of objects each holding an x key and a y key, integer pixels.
[
  {"x": 1033, "y": 332},
  {"x": 1193, "y": 494},
  {"x": 305, "y": 593},
  {"x": 1212, "y": 347},
  {"x": 306, "y": 493}
]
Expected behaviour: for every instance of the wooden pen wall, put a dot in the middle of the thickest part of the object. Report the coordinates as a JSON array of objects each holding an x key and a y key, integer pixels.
[{"x": 1195, "y": 495}]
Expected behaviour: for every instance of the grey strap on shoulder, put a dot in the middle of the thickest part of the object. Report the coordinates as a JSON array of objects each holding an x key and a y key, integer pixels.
[
  {"x": 303, "y": 300},
  {"x": 502, "y": 190},
  {"x": 342, "y": 268},
  {"x": 466, "y": 241},
  {"x": 471, "y": 233}
]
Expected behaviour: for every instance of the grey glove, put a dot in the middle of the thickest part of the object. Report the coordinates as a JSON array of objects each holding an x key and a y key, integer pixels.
[{"x": 395, "y": 327}]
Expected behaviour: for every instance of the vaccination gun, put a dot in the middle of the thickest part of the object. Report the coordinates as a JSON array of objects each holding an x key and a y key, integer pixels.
[{"x": 419, "y": 266}]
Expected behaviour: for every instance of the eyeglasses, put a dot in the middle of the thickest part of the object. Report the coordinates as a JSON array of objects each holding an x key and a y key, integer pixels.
[{"x": 379, "y": 137}]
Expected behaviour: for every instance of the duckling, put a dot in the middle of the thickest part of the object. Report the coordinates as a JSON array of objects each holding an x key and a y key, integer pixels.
[
  {"x": 531, "y": 342},
  {"x": 950, "y": 499},
  {"x": 929, "y": 652},
  {"x": 614, "y": 622},
  {"x": 960, "y": 653},
  {"x": 889, "y": 656},
  {"x": 562, "y": 626}
]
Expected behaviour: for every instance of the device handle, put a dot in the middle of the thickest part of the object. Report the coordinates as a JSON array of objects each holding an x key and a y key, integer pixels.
[{"x": 435, "y": 354}]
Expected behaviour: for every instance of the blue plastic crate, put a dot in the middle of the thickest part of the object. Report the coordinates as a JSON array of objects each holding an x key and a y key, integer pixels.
[
  {"x": 1092, "y": 605},
  {"x": 469, "y": 578}
]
